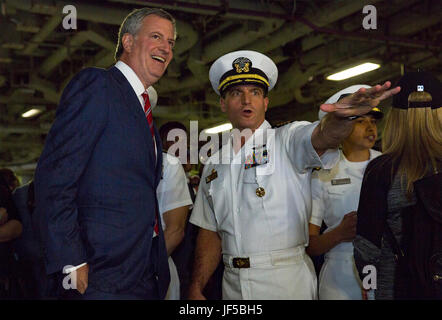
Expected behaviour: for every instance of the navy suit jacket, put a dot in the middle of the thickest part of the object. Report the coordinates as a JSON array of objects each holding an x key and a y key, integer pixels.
[{"x": 95, "y": 185}]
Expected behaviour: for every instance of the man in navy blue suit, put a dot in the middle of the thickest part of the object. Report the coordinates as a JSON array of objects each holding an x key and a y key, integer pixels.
[{"x": 96, "y": 179}]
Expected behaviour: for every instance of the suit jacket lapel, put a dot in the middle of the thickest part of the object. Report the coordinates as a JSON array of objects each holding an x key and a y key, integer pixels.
[
  {"x": 133, "y": 104},
  {"x": 159, "y": 163}
]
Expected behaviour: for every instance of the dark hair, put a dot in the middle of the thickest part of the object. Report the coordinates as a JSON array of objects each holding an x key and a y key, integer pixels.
[
  {"x": 8, "y": 178},
  {"x": 165, "y": 128},
  {"x": 133, "y": 21}
]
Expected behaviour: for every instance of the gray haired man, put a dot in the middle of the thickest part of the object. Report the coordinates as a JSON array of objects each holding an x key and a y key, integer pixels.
[{"x": 96, "y": 179}]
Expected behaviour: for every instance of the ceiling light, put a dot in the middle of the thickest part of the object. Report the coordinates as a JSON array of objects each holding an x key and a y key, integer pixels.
[
  {"x": 218, "y": 129},
  {"x": 354, "y": 71},
  {"x": 31, "y": 113}
]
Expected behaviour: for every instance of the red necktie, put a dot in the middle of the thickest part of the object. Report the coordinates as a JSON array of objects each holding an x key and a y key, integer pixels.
[{"x": 148, "y": 113}]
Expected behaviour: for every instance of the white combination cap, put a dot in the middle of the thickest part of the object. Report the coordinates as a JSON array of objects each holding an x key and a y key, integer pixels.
[
  {"x": 243, "y": 67},
  {"x": 341, "y": 94}
]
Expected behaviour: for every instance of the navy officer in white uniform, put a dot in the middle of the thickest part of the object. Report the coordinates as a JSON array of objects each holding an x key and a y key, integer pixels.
[
  {"x": 335, "y": 198},
  {"x": 254, "y": 197}
]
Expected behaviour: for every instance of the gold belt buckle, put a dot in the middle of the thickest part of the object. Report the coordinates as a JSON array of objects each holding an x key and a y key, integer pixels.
[{"x": 241, "y": 262}]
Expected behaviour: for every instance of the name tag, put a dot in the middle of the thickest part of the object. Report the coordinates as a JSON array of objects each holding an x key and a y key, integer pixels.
[{"x": 336, "y": 182}]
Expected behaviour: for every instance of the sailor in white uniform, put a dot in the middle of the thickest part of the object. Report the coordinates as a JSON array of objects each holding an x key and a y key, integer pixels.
[
  {"x": 173, "y": 205},
  {"x": 335, "y": 196},
  {"x": 254, "y": 201}
]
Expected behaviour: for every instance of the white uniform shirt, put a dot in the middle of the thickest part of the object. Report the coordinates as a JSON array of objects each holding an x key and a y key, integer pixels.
[
  {"x": 172, "y": 191},
  {"x": 332, "y": 201},
  {"x": 250, "y": 224}
]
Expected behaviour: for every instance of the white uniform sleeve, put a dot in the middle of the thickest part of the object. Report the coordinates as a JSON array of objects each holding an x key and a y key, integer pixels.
[
  {"x": 298, "y": 142},
  {"x": 318, "y": 201},
  {"x": 203, "y": 215},
  {"x": 172, "y": 191}
]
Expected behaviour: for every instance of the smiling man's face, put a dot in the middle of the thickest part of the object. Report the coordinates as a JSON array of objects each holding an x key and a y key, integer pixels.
[
  {"x": 150, "y": 51},
  {"x": 245, "y": 106}
]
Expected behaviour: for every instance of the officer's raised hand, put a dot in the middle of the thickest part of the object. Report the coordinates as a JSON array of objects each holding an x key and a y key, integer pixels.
[
  {"x": 337, "y": 124},
  {"x": 360, "y": 102}
]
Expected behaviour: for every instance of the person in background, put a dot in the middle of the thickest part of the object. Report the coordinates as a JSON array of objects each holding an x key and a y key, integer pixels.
[
  {"x": 10, "y": 229},
  {"x": 173, "y": 202},
  {"x": 399, "y": 231},
  {"x": 183, "y": 254},
  {"x": 335, "y": 198},
  {"x": 28, "y": 248}
]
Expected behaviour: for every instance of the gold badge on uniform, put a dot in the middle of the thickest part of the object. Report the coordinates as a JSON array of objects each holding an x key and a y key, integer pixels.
[
  {"x": 336, "y": 182},
  {"x": 212, "y": 176},
  {"x": 260, "y": 192}
]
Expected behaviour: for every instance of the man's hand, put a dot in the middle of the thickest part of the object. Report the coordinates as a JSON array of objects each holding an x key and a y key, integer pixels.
[
  {"x": 362, "y": 101},
  {"x": 347, "y": 227},
  {"x": 82, "y": 278},
  {"x": 3, "y": 216}
]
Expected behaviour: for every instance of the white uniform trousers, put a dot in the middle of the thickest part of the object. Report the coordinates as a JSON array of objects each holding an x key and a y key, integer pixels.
[
  {"x": 173, "y": 293},
  {"x": 286, "y": 274},
  {"x": 338, "y": 279}
]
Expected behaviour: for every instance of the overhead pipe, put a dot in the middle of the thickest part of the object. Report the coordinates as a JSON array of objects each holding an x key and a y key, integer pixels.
[
  {"x": 21, "y": 129},
  {"x": 238, "y": 39},
  {"x": 44, "y": 32},
  {"x": 375, "y": 37},
  {"x": 49, "y": 91},
  {"x": 281, "y": 36},
  {"x": 74, "y": 44},
  {"x": 244, "y": 9},
  {"x": 187, "y": 36},
  {"x": 295, "y": 29}
]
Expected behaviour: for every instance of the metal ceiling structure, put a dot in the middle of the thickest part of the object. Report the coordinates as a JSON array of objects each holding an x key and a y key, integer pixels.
[{"x": 307, "y": 40}]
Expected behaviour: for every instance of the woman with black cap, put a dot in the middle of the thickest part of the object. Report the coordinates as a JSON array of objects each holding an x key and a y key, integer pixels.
[{"x": 399, "y": 213}]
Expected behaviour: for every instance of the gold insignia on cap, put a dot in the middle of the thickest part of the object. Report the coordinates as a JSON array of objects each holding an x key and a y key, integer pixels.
[
  {"x": 260, "y": 192},
  {"x": 242, "y": 64}
]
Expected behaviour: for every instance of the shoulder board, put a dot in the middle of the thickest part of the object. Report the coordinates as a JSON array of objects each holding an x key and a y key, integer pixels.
[{"x": 282, "y": 123}]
